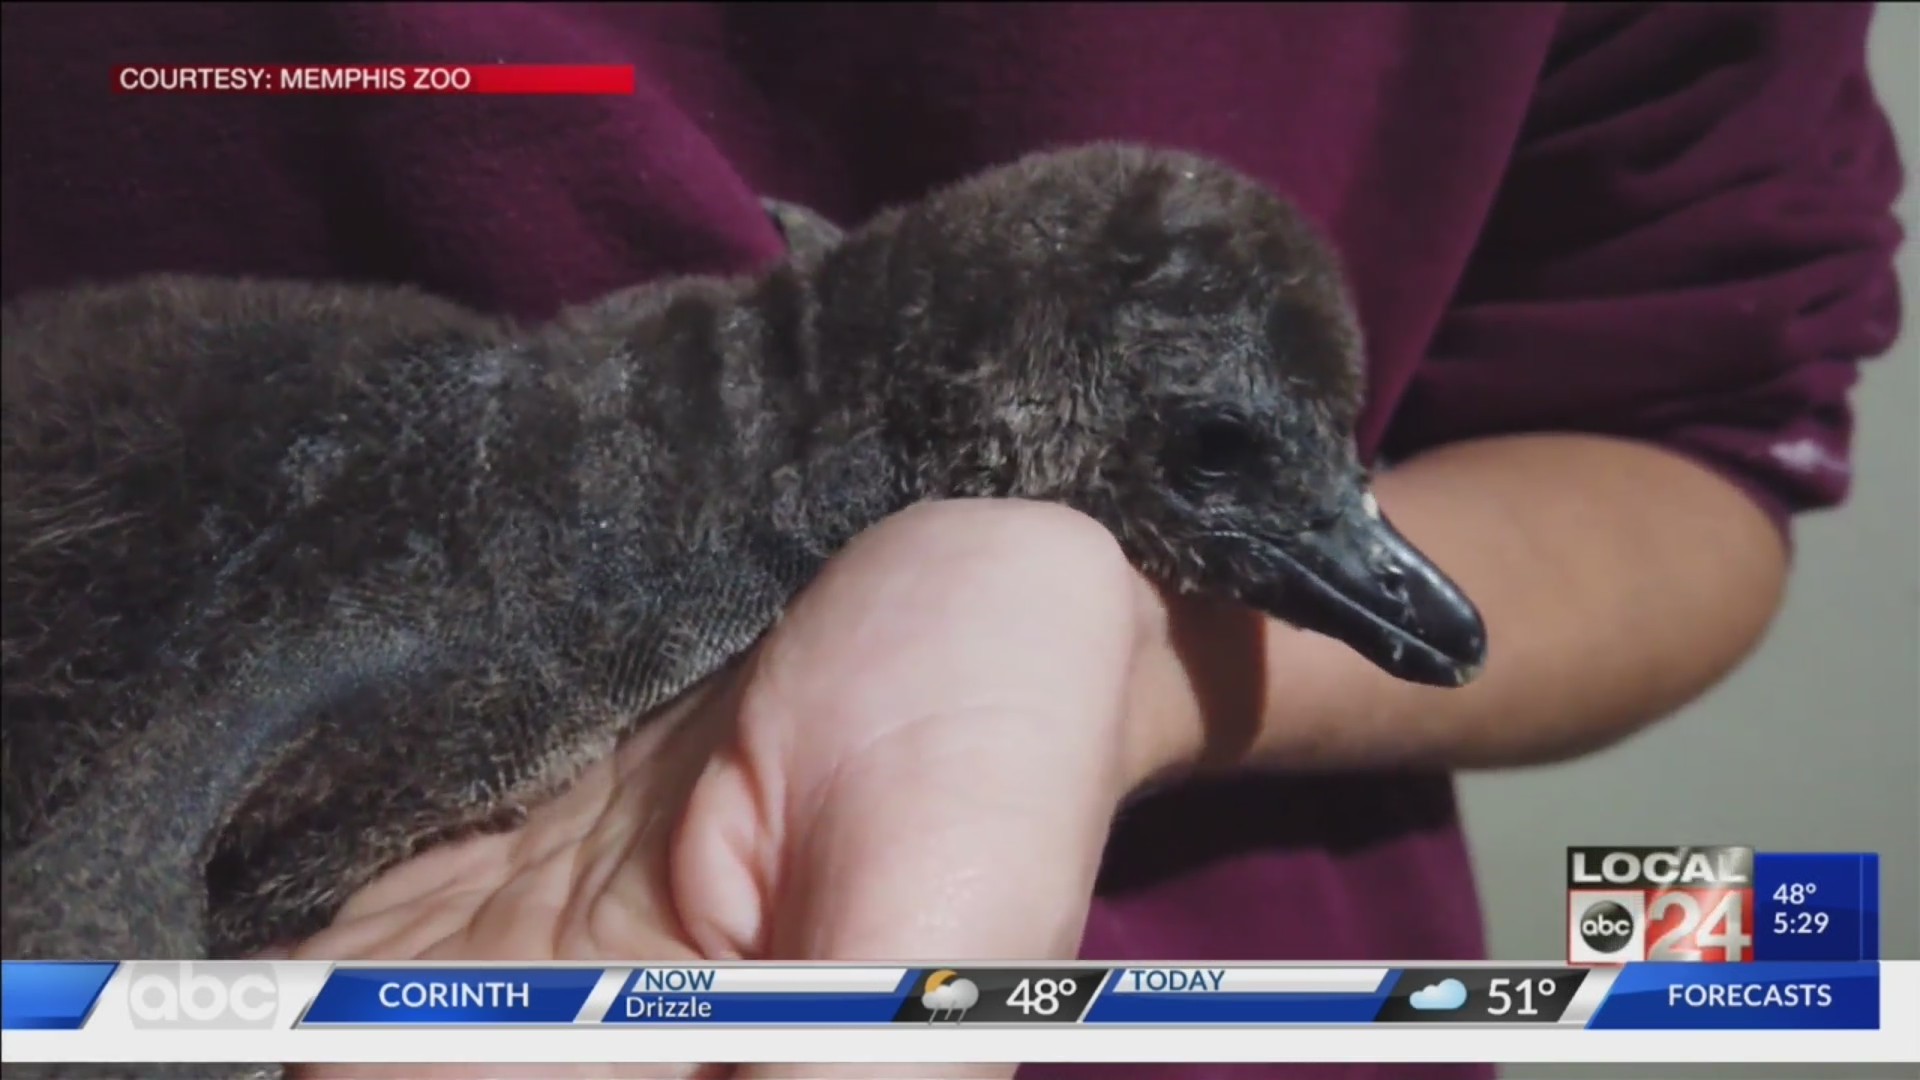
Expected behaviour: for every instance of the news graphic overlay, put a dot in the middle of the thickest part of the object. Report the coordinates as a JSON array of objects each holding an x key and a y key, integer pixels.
[
  {"x": 521, "y": 80},
  {"x": 477, "y": 995},
  {"x": 1816, "y": 906},
  {"x": 1000, "y": 996},
  {"x": 1761, "y": 996},
  {"x": 209, "y": 1011},
  {"x": 50, "y": 997},
  {"x": 1668, "y": 905},
  {"x": 1482, "y": 995},
  {"x": 165, "y": 996},
  {"x": 1210, "y": 995},
  {"x": 1719, "y": 905},
  {"x": 234, "y": 997}
]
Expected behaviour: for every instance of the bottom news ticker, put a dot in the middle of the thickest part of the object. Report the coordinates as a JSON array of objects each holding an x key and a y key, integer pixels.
[{"x": 303, "y": 1011}]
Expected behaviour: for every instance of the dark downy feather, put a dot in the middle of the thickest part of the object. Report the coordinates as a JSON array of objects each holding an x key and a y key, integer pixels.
[{"x": 300, "y": 580}]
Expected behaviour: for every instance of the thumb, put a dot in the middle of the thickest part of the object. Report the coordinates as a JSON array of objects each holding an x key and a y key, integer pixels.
[
  {"x": 943, "y": 715},
  {"x": 957, "y": 838},
  {"x": 931, "y": 740}
]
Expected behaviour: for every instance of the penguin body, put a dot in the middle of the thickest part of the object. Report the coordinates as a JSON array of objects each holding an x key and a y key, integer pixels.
[{"x": 301, "y": 579}]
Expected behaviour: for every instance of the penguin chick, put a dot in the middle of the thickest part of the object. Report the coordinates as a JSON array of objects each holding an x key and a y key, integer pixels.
[{"x": 300, "y": 579}]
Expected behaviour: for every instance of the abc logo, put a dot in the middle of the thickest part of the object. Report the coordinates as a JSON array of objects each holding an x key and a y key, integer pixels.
[
  {"x": 1606, "y": 927},
  {"x": 164, "y": 995}
]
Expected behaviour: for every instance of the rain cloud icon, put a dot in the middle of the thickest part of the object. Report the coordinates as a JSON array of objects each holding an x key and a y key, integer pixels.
[
  {"x": 1443, "y": 996},
  {"x": 947, "y": 992}
]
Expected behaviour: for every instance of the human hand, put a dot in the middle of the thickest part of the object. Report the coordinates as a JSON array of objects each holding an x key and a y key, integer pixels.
[{"x": 919, "y": 763}]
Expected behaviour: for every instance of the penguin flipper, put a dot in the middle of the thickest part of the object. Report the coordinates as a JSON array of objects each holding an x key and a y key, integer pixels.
[{"x": 491, "y": 734}]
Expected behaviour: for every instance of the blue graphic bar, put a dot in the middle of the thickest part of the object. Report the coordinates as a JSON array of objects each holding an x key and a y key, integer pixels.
[
  {"x": 49, "y": 996},
  {"x": 1237, "y": 1007},
  {"x": 664, "y": 1002},
  {"x": 1816, "y": 907},
  {"x": 387, "y": 997},
  {"x": 733, "y": 1007},
  {"x": 1752, "y": 997}
]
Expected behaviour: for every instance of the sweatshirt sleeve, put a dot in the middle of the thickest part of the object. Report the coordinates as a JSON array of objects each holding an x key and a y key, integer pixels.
[
  {"x": 1693, "y": 246},
  {"x": 515, "y": 204}
]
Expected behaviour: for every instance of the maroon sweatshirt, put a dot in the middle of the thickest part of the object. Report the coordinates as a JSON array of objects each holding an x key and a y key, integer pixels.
[{"x": 1669, "y": 223}]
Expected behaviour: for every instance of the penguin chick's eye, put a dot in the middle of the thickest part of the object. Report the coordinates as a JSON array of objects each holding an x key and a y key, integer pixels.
[{"x": 1210, "y": 448}]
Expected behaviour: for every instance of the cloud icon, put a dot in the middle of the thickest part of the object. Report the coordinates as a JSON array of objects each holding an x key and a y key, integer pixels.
[
  {"x": 1443, "y": 996},
  {"x": 947, "y": 992}
]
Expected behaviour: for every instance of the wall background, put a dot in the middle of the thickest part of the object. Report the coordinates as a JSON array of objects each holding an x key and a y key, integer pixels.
[{"x": 1815, "y": 744}]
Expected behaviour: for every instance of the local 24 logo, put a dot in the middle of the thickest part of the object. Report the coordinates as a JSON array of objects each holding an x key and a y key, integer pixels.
[{"x": 1677, "y": 904}]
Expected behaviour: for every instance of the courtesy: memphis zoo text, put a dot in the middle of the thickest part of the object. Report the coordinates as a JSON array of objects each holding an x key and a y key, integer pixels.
[{"x": 279, "y": 78}]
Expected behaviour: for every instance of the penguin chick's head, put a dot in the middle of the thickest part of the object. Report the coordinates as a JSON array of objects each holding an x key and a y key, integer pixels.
[{"x": 1160, "y": 342}]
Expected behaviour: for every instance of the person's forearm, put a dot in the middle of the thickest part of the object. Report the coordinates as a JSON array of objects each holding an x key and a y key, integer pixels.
[{"x": 1618, "y": 582}]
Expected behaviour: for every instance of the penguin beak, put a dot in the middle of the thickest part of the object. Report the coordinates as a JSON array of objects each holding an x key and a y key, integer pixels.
[{"x": 1357, "y": 580}]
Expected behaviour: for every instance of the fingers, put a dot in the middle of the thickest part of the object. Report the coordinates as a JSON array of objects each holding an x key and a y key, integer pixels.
[{"x": 581, "y": 879}]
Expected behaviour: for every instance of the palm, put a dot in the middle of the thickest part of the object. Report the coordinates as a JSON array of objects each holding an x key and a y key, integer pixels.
[{"x": 919, "y": 763}]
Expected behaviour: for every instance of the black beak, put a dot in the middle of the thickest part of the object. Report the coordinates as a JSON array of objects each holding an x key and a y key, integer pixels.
[{"x": 1359, "y": 581}]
